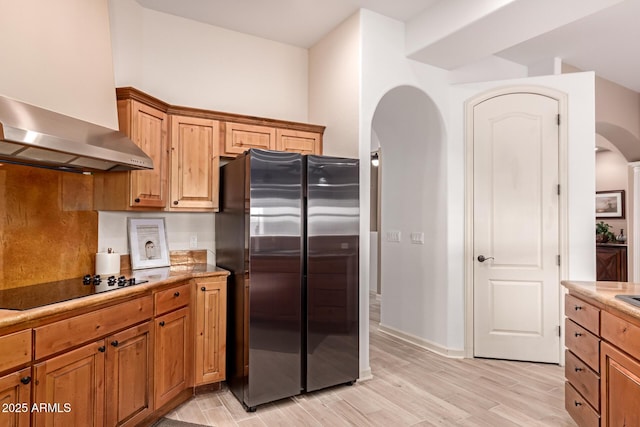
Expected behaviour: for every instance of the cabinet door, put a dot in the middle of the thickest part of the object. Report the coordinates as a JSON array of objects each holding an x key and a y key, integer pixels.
[
  {"x": 15, "y": 398},
  {"x": 620, "y": 385},
  {"x": 148, "y": 129},
  {"x": 211, "y": 325},
  {"x": 171, "y": 361},
  {"x": 297, "y": 141},
  {"x": 195, "y": 163},
  {"x": 611, "y": 263},
  {"x": 239, "y": 138},
  {"x": 72, "y": 387},
  {"x": 129, "y": 372}
]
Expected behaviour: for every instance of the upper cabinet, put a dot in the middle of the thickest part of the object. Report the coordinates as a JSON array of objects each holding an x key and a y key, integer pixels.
[
  {"x": 194, "y": 163},
  {"x": 186, "y": 145}
]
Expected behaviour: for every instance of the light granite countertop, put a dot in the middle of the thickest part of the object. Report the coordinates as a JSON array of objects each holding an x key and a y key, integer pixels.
[
  {"x": 605, "y": 293},
  {"x": 156, "y": 278}
]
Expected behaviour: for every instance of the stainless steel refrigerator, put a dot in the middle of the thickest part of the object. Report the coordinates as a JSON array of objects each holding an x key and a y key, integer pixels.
[{"x": 288, "y": 232}]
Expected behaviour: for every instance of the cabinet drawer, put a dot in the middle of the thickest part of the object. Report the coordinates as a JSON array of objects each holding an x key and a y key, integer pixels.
[
  {"x": 583, "y": 414},
  {"x": 621, "y": 333},
  {"x": 15, "y": 349},
  {"x": 583, "y": 313},
  {"x": 173, "y": 298},
  {"x": 583, "y": 344},
  {"x": 68, "y": 333},
  {"x": 583, "y": 379}
]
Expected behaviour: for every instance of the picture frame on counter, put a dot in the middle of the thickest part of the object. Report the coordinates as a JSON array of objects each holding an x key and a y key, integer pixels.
[
  {"x": 148, "y": 243},
  {"x": 610, "y": 204}
]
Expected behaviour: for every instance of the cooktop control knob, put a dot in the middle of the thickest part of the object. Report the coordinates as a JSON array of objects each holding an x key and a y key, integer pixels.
[
  {"x": 122, "y": 281},
  {"x": 96, "y": 279},
  {"x": 111, "y": 280},
  {"x": 86, "y": 280},
  {"x": 132, "y": 281}
]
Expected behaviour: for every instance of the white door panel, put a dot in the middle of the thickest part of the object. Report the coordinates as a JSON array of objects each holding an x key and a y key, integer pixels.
[{"x": 516, "y": 222}]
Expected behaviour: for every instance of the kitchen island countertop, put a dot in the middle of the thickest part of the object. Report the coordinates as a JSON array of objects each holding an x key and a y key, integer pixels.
[
  {"x": 605, "y": 293},
  {"x": 10, "y": 319}
]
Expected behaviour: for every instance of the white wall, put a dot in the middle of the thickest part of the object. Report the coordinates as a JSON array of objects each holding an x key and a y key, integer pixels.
[
  {"x": 57, "y": 55},
  {"x": 185, "y": 62}
]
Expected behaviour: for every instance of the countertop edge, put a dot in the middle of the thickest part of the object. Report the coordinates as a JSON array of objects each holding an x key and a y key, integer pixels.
[
  {"x": 9, "y": 318},
  {"x": 605, "y": 292}
]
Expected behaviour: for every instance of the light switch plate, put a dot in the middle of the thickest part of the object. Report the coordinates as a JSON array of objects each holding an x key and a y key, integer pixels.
[
  {"x": 394, "y": 236},
  {"x": 193, "y": 242},
  {"x": 417, "y": 238}
]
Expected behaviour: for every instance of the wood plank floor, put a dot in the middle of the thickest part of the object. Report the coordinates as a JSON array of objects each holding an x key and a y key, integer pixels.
[{"x": 410, "y": 387}]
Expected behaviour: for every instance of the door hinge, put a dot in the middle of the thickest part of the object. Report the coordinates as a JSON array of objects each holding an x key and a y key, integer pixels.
[
  {"x": 558, "y": 260},
  {"x": 558, "y": 189},
  {"x": 559, "y": 330},
  {"x": 558, "y": 119}
]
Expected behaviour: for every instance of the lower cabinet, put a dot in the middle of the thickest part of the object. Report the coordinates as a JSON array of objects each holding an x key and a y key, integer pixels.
[
  {"x": 129, "y": 375},
  {"x": 74, "y": 384},
  {"x": 211, "y": 330},
  {"x": 15, "y": 398},
  {"x": 620, "y": 388},
  {"x": 172, "y": 350}
]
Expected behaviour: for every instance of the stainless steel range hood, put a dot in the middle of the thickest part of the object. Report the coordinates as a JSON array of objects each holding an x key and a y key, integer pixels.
[{"x": 34, "y": 136}]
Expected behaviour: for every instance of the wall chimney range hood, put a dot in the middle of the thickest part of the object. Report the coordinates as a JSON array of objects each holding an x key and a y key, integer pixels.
[{"x": 33, "y": 136}]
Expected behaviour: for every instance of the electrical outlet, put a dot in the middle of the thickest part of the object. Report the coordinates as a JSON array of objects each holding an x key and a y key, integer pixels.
[{"x": 193, "y": 242}]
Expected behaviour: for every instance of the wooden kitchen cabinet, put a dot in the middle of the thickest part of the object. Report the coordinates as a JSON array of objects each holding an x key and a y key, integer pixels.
[
  {"x": 74, "y": 383},
  {"x": 582, "y": 367},
  {"x": 15, "y": 397},
  {"x": 146, "y": 124},
  {"x": 172, "y": 352},
  {"x": 611, "y": 262},
  {"x": 129, "y": 376},
  {"x": 195, "y": 164},
  {"x": 241, "y": 137},
  {"x": 210, "y": 330},
  {"x": 298, "y": 141},
  {"x": 620, "y": 388}
]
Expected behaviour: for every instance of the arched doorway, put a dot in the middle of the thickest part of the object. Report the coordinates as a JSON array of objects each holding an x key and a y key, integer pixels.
[{"x": 413, "y": 210}]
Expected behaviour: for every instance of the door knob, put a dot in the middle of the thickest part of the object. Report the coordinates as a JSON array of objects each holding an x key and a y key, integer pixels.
[{"x": 483, "y": 258}]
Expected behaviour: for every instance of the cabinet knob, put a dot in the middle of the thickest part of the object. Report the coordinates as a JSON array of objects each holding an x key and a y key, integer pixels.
[
  {"x": 577, "y": 307},
  {"x": 579, "y": 369},
  {"x": 162, "y": 323},
  {"x": 25, "y": 380},
  {"x": 177, "y": 294},
  {"x": 577, "y": 334},
  {"x": 203, "y": 289},
  {"x": 175, "y": 202},
  {"x": 137, "y": 200},
  {"x": 102, "y": 349},
  {"x": 114, "y": 343},
  {"x": 577, "y": 403}
]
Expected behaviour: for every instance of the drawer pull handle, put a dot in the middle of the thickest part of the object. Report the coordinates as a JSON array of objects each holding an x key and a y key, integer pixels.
[
  {"x": 577, "y": 334},
  {"x": 162, "y": 323},
  {"x": 25, "y": 380},
  {"x": 577, "y": 403},
  {"x": 102, "y": 349},
  {"x": 114, "y": 343},
  {"x": 578, "y": 307},
  {"x": 579, "y": 369},
  {"x": 177, "y": 294},
  {"x": 203, "y": 289}
]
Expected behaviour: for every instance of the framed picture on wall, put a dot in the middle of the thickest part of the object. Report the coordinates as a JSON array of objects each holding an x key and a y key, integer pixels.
[
  {"x": 610, "y": 204},
  {"x": 148, "y": 243}
]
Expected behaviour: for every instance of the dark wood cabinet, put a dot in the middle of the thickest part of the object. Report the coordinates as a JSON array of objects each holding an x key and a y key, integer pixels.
[{"x": 611, "y": 262}]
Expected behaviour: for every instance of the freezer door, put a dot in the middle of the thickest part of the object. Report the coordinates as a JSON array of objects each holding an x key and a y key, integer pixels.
[
  {"x": 275, "y": 276},
  {"x": 332, "y": 240}
]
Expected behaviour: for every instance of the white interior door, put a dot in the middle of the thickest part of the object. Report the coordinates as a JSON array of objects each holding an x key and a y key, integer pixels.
[{"x": 516, "y": 227}]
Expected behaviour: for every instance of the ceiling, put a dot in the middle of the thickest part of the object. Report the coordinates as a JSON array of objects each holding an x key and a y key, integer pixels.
[{"x": 603, "y": 41}]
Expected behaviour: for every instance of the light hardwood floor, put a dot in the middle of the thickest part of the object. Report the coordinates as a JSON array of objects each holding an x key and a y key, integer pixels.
[{"x": 410, "y": 387}]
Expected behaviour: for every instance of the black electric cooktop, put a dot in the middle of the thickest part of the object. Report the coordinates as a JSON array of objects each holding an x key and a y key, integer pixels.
[{"x": 27, "y": 297}]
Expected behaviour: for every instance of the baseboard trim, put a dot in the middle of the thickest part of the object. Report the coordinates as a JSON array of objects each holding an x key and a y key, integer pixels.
[
  {"x": 365, "y": 375},
  {"x": 422, "y": 343}
]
